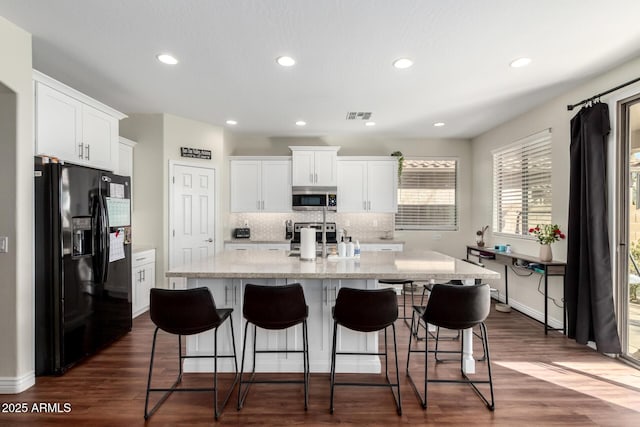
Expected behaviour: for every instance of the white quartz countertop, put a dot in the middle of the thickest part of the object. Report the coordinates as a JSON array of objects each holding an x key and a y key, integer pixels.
[{"x": 419, "y": 265}]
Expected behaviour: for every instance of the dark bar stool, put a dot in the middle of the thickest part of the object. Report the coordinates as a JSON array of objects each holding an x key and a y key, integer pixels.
[
  {"x": 366, "y": 311},
  {"x": 456, "y": 307},
  {"x": 405, "y": 283},
  {"x": 274, "y": 308},
  {"x": 188, "y": 312}
]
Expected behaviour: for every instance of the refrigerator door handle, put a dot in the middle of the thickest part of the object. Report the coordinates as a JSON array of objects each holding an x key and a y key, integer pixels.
[{"x": 104, "y": 238}]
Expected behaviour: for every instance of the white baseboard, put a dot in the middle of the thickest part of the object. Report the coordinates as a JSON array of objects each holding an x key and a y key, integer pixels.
[
  {"x": 15, "y": 385},
  {"x": 535, "y": 314}
]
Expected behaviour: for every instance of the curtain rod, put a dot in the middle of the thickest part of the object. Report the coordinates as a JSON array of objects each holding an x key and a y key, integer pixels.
[{"x": 584, "y": 101}]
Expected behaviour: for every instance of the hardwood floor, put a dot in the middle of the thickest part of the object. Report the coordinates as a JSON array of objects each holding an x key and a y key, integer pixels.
[{"x": 538, "y": 380}]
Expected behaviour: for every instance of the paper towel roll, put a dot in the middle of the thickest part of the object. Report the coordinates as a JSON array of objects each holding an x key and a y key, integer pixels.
[{"x": 307, "y": 244}]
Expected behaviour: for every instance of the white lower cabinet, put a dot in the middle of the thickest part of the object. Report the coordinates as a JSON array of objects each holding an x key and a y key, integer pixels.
[
  {"x": 144, "y": 278},
  {"x": 375, "y": 247},
  {"x": 320, "y": 296},
  {"x": 233, "y": 246}
]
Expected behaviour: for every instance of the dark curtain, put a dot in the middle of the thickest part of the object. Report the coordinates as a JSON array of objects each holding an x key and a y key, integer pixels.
[{"x": 588, "y": 288}]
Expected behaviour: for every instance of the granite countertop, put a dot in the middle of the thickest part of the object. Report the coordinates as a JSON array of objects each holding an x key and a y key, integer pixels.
[
  {"x": 419, "y": 265},
  {"x": 140, "y": 248},
  {"x": 275, "y": 242},
  {"x": 367, "y": 241}
]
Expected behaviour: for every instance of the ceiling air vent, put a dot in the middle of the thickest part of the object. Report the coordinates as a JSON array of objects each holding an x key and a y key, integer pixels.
[{"x": 359, "y": 115}]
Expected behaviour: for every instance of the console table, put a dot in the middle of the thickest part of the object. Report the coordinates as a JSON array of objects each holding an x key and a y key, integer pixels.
[{"x": 547, "y": 269}]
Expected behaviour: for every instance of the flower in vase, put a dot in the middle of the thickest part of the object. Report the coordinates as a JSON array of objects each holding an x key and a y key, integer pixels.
[{"x": 547, "y": 233}]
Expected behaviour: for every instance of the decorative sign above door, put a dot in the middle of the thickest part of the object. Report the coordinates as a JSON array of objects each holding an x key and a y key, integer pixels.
[{"x": 195, "y": 153}]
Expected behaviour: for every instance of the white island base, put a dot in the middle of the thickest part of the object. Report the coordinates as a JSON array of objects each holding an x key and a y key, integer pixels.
[
  {"x": 320, "y": 296},
  {"x": 227, "y": 273}
]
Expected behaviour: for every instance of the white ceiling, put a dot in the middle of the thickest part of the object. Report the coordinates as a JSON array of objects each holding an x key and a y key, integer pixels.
[{"x": 344, "y": 50}]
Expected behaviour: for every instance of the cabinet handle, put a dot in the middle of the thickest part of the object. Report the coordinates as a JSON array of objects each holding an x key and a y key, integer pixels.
[
  {"x": 88, "y": 156},
  {"x": 226, "y": 296},
  {"x": 311, "y": 177},
  {"x": 81, "y": 150},
  {"x": 364, "y": 205},
  {"x": 335, "y": 294},
  {"x": 369, "y": 205},
  {"x": 316, "y": 180},
  {"x": 262, "y": 205},
  {"x": 236, "y": 295},
  {"x": 140, "y": 259},
  {"x": 326, "y": 295}
]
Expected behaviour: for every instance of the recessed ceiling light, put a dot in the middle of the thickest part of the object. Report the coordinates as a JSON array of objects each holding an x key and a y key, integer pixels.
[
  {"x": 370, "y": 124},
  {"x": 439, "y": 124},
  {"x": 301, "y": 123},
  {"x": 402, "y": 63},
  {"x": 232, "y": 122},
  {"x": 165, "y": 58},
  {"x": 286, "y": 61},
  {"x": 520, "y": 62}
]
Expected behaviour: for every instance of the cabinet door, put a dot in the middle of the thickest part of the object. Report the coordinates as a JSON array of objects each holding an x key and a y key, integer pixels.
[
  {"x": 125, "y": 160},
  {"x": 276, "y": 186},
  {"x": 245, "y": 186},
  {"x": 148, "y": 282},
  {"x": 325, "y": 165},
  {"x": 58, "y": 125},
  {"x": 136, "y": 292},
  {"x": 302, "y": 170},
  {"x": 99, "y": 137},
  {"x": 352, "y": 186},
  {"x": 382, "y": 182}
]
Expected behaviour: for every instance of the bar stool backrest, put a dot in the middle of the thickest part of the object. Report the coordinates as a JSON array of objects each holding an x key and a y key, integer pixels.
[
  {"x": 458, "y": 307},
  {"x": 183, "y": 312},
  {"x": 274, "y": 307},
  {"x": 366, "y": 310}
]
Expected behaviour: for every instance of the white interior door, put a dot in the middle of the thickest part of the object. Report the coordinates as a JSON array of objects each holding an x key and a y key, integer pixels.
[{"x": 192, "y": 214}]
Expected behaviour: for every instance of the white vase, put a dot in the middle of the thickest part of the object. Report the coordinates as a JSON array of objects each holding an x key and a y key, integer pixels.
[{"x": 545, "y": 253}]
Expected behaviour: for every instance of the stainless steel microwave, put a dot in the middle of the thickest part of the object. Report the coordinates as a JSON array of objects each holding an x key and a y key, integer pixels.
[{"x": 314, "y": 198}]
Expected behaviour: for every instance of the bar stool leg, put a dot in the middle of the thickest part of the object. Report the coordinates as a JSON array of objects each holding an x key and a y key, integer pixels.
[
  {"x": 333, "y": 365},
  {"x": 242, "y": 395}
]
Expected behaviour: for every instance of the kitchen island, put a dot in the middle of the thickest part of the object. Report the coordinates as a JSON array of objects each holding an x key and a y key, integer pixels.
[{"x": 226, "y": 273}]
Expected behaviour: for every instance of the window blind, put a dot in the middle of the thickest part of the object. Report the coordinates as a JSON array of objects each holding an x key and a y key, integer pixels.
[
  {"x": 522, "y": 184},
  {"x": 427, "y": 196}
]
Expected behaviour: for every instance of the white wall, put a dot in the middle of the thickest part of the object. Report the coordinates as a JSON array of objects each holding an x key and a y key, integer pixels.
[
  {"x": 552, "y": 115},
  {"x": 449, "y": 242},
  {"x": 148, "y": 207},
  {"x": 16, "y": 192},
  {"x": 159, "y": 138}
]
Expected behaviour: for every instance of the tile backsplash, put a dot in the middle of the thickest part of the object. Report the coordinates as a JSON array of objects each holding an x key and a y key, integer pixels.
[{"x": 271, "y": 226}]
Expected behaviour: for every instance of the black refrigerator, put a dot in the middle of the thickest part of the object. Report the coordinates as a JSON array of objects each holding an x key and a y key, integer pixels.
[{"x": 83, "y": 263}]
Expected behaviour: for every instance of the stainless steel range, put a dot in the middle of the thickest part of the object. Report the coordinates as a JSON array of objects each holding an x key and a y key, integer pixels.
[{"x": 332, "y": 236}]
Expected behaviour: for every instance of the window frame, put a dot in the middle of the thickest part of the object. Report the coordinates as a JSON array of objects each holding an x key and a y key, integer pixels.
[
  {"x": 456, "y": 225},
  {"x": 523, "y": 143}
]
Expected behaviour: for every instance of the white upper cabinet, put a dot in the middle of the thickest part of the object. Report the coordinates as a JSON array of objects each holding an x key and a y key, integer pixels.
[
  {"x": 260, "y": 185},
  {"x": 314, "y": 166},
  {"x": 73, "y": 127},
  {"x": 367, "y": 185}
]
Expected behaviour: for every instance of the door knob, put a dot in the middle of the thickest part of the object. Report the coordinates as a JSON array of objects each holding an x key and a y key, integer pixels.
[{"x": 210, "y": 240}]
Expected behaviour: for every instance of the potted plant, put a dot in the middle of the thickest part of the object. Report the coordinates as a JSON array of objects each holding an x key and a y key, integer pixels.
[
  {"x": 480, "y": 236},
  {"x": 546, "y": 234},
  {"x": 400, "y": 157}
]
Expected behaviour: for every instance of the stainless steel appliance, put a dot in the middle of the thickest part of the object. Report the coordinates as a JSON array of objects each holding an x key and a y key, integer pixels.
[
  {"x": 330, "y": 231},
  {"x": 314, "y": 198},
  {"x": 83, "y": 263},
  {"x": 288, "y": 234},
  {"x": 242, "y": 233}
]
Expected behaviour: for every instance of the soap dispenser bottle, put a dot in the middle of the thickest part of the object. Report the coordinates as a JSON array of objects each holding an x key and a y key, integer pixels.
[
  {"x": 350, "y": 249},
  {"x": 356, "y": 252},
  {"x": 342, "y": 248}
]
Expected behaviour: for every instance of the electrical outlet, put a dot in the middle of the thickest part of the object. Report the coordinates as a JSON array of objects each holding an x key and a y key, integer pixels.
[
  {"x": 437, "y": 236},
  {"x": 347, "y": 223},
  {"x": 375, "y": 222},
  {"x": 246, "y": 223},
  {"x": 4, "y": 244}
]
